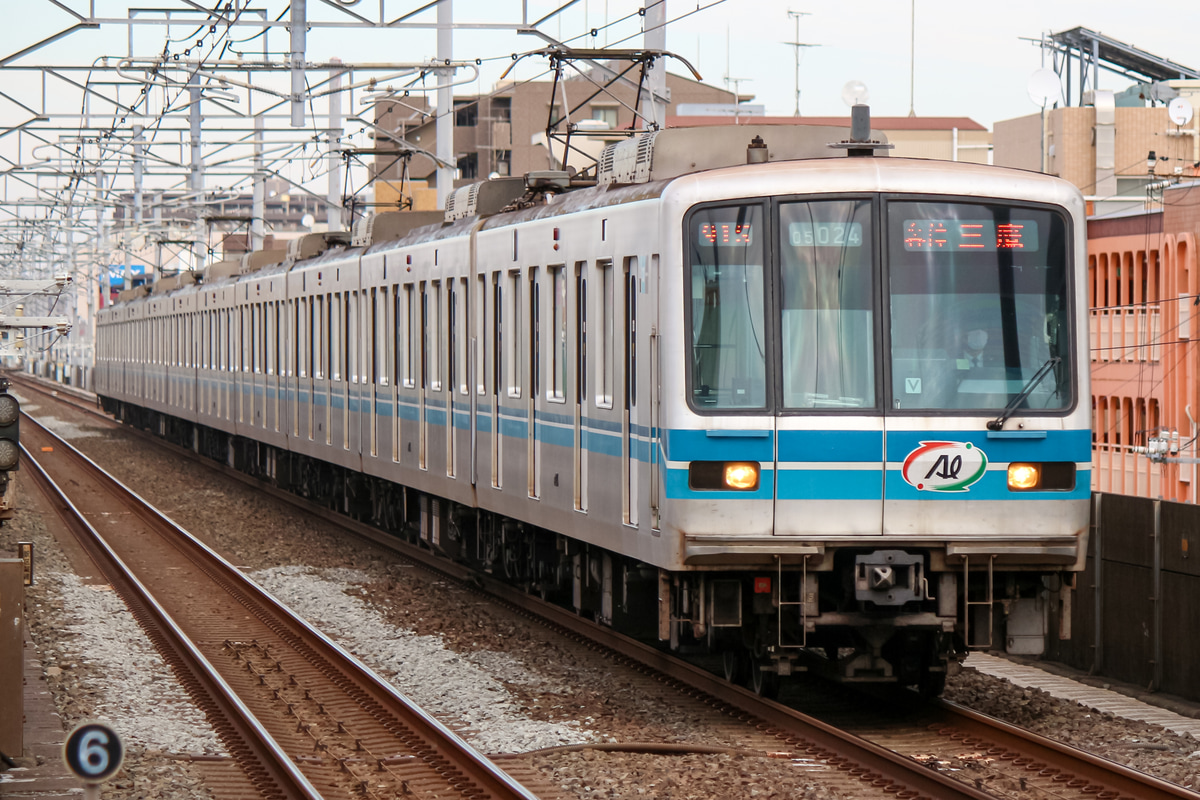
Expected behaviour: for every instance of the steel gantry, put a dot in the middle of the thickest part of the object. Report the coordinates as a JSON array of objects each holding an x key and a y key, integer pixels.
[{"x": 133, "y": 142}]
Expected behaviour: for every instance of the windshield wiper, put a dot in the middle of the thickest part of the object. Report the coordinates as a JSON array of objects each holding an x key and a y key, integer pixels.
[{"x": 998, "y": 423}]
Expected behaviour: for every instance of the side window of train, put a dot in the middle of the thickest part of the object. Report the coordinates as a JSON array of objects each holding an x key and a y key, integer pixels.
[
  {"x": 535, "y": 334},
  {"x": 351, "y": 351},
  {"x": 581, "y": 330},
  {"x": 379, "y": 306},
  {"x": 480, "y": 333},
  {"x": 462, "y": 309},
  {"x": 605, "y": 354},
  {"x": 630, "y": 327},
  {"x": 318, "y": 335},
  {"x": 337, "y": 366},
  {"x": 558, "y": 333},
  {"x": 405, "y": 334},
  {"x": 435, "y": 339},
  {"x": 423, "y": 333},
  {"x": 497, "y": 334},
  {"x": 451, "y": 336},
  {"x": 328, "y": 331},
  {"x": 512, "y": 333}
]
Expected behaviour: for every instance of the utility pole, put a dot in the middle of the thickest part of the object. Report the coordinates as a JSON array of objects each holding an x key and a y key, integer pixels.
[
  {"x": 333, "y": 193},
  {"x": 296, "y": 57},
  {"x": 445, "y": 102},
  {"x": 258, "y": 196},
  {"x": 196, "y": 175},
  {"x": 654, "y": 37}
]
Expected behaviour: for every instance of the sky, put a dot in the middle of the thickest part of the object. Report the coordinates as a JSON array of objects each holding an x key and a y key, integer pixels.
[{"x": 960, "y": 58}]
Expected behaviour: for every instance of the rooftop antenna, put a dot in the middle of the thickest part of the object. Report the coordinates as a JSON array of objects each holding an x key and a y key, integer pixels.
[
  {"x": 798, "y": 44},
  {"x": 1044, "y": 88},
  {"x": 912, "y": 57},
  {"x": 1180, "y": 111}
]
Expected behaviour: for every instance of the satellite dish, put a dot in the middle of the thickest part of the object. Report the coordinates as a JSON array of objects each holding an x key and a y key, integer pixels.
[
  {"x": 308, "y": 220},
  {"x": 1180, "y": 111},
  {"x": 854, "y": 93},
  {"x": 1043, "y": 87}
]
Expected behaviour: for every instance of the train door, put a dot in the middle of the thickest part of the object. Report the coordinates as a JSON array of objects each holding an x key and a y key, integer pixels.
[
  {"x": 436, "y": 433},
  {"x": 423, "y": 377},
  {"x": 581, "y": 388},
  {"x": 829, "y": 449},
  {"x": 531, "y": 388},
  {"x": 197, "y": 351},
  {"x": 305, "y": 411},
  {"x": 479, "y": 370},
  {"x": 276, "y": 353},
  {"x": 327, "y": 350},
  {"x": 651, "y": 390},
  {"x": 454, "y": 368},
  {"x": 258, "y": 344},
  {"x": 296, "y": 372},
  {"x": 401, "y": 342},
  {"x": 375, "y": 376},
  {"x": 629, "y": 409},
  {"x": 352, "y": 336},
  {"x": 497, "y": 367}
]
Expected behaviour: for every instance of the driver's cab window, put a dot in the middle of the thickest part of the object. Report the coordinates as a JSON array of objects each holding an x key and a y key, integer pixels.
[{"x": 727, "y": 369}]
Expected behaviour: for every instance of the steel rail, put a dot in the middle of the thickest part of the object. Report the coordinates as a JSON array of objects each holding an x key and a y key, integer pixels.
[
  {"x": 1069, "y": 763},
  {"x": 1104, "y": 778},
  {"x": 475, "y": 768},
  {"x": 255, "y": 741}
]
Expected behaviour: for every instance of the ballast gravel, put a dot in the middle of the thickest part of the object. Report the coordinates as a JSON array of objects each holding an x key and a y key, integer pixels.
[
  {"x": 450, "y": 685},
  {"x": 505, "y": 685}
]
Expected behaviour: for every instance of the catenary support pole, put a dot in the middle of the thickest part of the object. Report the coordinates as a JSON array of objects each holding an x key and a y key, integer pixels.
[{"x": 445, "y": 102}]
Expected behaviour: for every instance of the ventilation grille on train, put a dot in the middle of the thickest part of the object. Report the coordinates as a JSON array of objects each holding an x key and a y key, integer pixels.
[
  {"x": 483, "y": 198},
  {"x": 629, "y": 161}
]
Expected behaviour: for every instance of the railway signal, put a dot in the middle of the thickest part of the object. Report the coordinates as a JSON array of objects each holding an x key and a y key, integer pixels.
[{"x": 10, "y": 423}]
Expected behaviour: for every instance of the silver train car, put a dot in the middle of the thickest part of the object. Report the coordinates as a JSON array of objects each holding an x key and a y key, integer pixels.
[{"x": 742, "y": 394}]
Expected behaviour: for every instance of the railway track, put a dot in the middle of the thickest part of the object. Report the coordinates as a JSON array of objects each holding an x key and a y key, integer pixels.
[
  {"x": 934, "y": 751},
  {"x": 300, "y": 717}
]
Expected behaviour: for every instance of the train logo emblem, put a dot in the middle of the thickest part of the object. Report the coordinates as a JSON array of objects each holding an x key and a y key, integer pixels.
[{"x": 944, "y": 466}]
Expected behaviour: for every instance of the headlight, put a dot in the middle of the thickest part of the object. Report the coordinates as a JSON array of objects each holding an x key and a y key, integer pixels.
[
  {"x": 741, "y": 475},
  {"x": 722, "y": 476},
  {"x": 1022, "y": 477}
]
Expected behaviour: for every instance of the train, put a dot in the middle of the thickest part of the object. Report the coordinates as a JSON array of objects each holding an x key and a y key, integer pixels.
[{"x": 766, "y": 395}]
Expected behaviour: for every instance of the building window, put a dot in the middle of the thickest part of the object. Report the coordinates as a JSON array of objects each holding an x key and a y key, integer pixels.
[
  {"x": 466, "y": 115},
  {"x": 502, "y": 109},
  {"x": 606, "y": 114},
  {"x": 503, "y": 161},
  {"x": 468, "y": 165}
]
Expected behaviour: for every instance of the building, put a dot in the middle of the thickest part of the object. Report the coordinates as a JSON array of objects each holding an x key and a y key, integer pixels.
[
  {"x": 1144, "y": 290},
  {"x": 1105, "y": 146},
  {"x": 946, "y": 138},
  {"x": 503, "y": 133}
]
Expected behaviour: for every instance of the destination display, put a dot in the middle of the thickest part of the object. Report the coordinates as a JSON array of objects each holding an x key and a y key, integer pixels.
[
  {"x": 721, "y": 234},
  {"x": 982, "y": 235},
  {"x": 825, "y": 234}
]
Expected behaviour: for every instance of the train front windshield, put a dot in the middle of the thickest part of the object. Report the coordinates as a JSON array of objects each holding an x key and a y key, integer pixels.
[{"x": 973, "y": 311}]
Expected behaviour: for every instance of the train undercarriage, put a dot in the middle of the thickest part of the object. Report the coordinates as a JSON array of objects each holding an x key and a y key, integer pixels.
[{"x": 868, "y": 615}]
